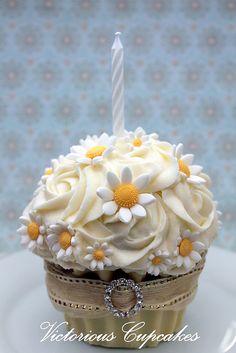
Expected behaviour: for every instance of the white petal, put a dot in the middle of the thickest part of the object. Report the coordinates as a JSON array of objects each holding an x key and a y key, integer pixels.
[
  {"x": 154, "y": 135},
  {"x": 40, "y": 240},
  {"x": 74, "y": 241},
  {"x": 195, "y": 169},
  {"x": 60, "y": 254},
  {"x": 110, "y": 208},
  {"x": 126, "y": 175},
  {"x": 108, "y": 252},
  {"x": 125, "y": 215},
  {"x": 138, "y": 211},
  {"x": 78, "y": 150},
  {"x": 139, "y": 131},
  {"x": 187, "y": 262},
  {"x": 84, "y": 160},
  {"x": 51, "y": 238},
  {"x": 150, "y": 268},
  {"x": 24, "y": 239},
  {"x": 76, "y": 252},
  {"x": 187, "y": 158},
  {"x": 24, "y": 220},
  {"x": 97, "y": 160},
  {"x": 69, "y": 251},
  {"x": 195, "y": 256},
  {"x": 93, "y": 264},
  {"x": 198, "y": 246},
  {"x": 32, "y": 245},
  {"x": 179, "y": 150},
  {"x": 156, "y": 270},
  {"x": 108, "y": 151},
  {"x": 112, "y": 180},
  {"x": 96, "y": 245},
  {"x": 194, "y": 179},
  {"x": 56, "y": 247},
  {"x": 142, "y": 181},
  {"x": 105, "y": 194},
  {"x": 90, "y": 249},
  {"x": 88, "y": 257},
  {"x": 186, "y": 233},
  {"x": 179, "y": 261},
  {"x": 56, "y": 228},
  {"x": 100, "y": 265},
  {"x": 42, "y": 229},
  {"x": 104, "y": 246},
  {"x": 146, "y": 199},
  {"x": 22, "y": 230}
]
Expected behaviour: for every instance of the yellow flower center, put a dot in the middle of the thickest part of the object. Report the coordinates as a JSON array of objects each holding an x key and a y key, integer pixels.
[
  {"x": 33, "y": 230},
  {"x": 156, "y": 260},
  {"x": 183, "y": 167},
  {"x": 65, "y": 240},
  {"x": 98, "y": 255},
  {"x": 48, "y": 171},
  {"x": 95, "y": 151},
  {"x": 126, "y": 195},
  {"x": 185, "y": 247},
  {"x": 137, "y": 142}
]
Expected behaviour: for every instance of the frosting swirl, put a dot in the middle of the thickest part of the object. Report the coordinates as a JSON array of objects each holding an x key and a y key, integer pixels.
[{"x": 131, "y": 201}]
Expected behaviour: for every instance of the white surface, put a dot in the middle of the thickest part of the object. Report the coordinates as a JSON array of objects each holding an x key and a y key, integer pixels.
[{"x": 24, "y": 305}]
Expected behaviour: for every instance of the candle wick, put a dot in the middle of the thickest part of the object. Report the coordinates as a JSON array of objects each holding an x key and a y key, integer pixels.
[{"x": 117, "y": 33}]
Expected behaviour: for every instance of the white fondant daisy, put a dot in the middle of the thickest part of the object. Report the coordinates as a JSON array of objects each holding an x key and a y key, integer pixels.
[
  {"x": 63, "y": 241},
  {"x": 32, "y": 231},
  {"x": 158, "y": 262},
  {"x": 93, "y": 149},
  {"x": 188, "y": 251},
  {"x": 187, "y": 170},
  {"x": 98, "y": 255},
  {"x": 124, "y": 196},
  {"x": 139, "y": 138}
]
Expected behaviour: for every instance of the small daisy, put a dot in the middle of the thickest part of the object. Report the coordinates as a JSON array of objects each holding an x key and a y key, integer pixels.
[
  {"x": 98, "y": 255},
  {"x": 123, "y": 196},
  {"x": 159, "y": 262},
  {"x": 188, "y": 250},
  {"x": 32, "y": 231},
  {"x": 139, "y": 138},
  {"x": 93, "y": 149},
  {"x": 63, "y": 241},
  {"x": 187, "y": 170}
]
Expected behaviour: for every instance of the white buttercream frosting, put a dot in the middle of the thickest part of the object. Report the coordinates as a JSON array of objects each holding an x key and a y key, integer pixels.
[{"x": 140, "y": 197}]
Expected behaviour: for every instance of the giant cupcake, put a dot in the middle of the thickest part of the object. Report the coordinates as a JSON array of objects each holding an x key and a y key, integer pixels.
[{"x": 122, "y": 215}]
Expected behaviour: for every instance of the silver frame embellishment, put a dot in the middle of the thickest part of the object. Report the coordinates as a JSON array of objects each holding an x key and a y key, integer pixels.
[{"x": 128, "y": 283}]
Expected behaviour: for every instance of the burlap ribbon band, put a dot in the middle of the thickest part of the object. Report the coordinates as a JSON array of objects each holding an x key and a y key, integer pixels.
[{"x": 81, "y": 297}]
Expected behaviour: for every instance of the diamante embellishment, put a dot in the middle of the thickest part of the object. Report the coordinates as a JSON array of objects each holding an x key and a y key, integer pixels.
[{"x": 126, "y": 284}]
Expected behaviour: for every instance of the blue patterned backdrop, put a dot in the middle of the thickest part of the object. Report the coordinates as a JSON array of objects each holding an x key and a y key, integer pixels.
[{"x": 180, "y": 80}]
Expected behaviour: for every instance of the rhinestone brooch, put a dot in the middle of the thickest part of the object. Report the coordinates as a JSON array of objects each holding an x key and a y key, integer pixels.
[{"x": 126, "y": 284}]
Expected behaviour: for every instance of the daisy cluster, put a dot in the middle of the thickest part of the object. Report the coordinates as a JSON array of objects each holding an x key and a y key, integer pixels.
[{"x": 124, "y": 198}]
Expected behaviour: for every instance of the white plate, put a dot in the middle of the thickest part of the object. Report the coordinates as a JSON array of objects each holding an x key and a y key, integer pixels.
[{"x": 24, "y": 305}]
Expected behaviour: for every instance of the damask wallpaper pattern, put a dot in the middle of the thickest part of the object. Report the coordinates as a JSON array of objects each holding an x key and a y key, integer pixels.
[{"x": 180, "y": 80}]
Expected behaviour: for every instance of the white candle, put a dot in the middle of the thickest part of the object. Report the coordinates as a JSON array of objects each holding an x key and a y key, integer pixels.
[{"x": 117, "y": 86}]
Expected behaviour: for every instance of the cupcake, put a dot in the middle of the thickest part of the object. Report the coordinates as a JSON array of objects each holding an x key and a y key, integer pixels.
[{"x": 123, "y": 225}]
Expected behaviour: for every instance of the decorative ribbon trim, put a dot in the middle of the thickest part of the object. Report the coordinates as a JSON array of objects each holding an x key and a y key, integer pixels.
[{"x": 82, "y": 297}]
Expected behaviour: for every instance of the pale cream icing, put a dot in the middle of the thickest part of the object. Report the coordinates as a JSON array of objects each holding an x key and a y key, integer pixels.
[{"x": 70, "y": 195}]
